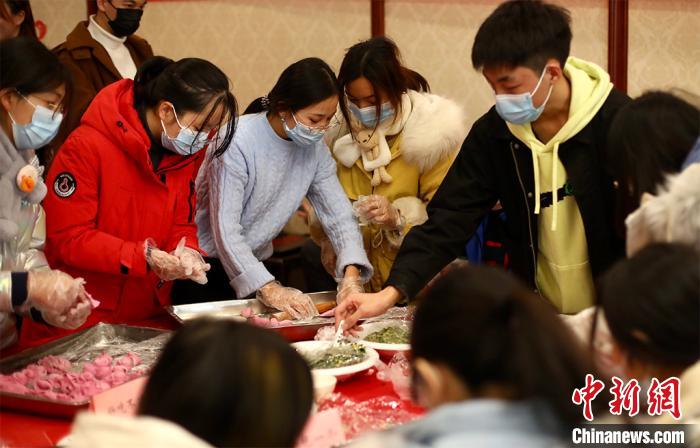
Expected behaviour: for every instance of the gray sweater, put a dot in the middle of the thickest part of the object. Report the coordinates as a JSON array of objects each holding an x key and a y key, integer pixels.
[{"x": 246, "y": 196}]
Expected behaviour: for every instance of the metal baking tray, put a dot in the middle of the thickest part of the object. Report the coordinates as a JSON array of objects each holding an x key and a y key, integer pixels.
[
  {"x": 79, "y": 348},
  {"x": 231, "y": 309}
]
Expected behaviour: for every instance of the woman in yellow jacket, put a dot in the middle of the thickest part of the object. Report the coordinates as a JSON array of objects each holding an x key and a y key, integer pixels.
[{"x": 393, "y": 146}]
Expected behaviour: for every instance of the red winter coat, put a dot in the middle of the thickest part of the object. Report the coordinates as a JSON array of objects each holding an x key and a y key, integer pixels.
[{"x": 104, "y": 200}]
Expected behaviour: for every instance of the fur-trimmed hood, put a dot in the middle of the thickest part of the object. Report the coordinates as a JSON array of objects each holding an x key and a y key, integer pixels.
[{"x": 435, "y": 129}]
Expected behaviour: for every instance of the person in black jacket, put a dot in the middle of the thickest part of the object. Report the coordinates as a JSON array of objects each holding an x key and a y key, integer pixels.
[{"x": 540, "y": 151}]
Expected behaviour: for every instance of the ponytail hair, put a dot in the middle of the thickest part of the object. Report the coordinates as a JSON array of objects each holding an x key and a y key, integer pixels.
[
  {"x": 190, "y": 84},
  {"x": 379, "y": 61},
  {"x": 490, "y": 330},
  {"x": 305, "y": 82}
]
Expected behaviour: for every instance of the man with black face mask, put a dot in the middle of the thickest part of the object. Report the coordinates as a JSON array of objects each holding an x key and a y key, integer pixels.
[{"x": 98, "y": 52}]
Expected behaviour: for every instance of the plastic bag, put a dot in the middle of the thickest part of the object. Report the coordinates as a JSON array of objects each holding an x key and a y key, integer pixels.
[{"x": 398, "y": 372}]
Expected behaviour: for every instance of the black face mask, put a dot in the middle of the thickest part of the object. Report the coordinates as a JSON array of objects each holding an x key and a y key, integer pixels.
[{"x": 127, "y": 21}]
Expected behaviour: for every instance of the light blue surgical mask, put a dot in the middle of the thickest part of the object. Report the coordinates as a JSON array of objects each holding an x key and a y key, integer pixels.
[
  {"x": 368, "y": 115},
  {"x": 303, "y": 135},
  {"x": 40, "y": 131},
  {"x": 518, "y": 108},
  {"x": 186, "y": 142}
]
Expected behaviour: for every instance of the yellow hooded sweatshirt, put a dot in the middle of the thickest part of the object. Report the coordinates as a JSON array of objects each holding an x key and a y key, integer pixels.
[{"x": 563, "y": 271}]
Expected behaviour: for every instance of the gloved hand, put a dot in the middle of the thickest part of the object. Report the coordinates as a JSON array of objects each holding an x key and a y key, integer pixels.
[
  {"x": 53, "y": 291},
  {"x": 192, "y": 263},
  {"x": 166, "y": 266},
  {"x": 291, "y": 300},
  {"x": 349, "y": 285},
  {"x": 377, "y": 209},
  {"x": 73, "y": 317}
]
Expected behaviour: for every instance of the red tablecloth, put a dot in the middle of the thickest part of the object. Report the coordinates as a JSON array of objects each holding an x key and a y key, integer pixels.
[{"x": 23, "y": 430}]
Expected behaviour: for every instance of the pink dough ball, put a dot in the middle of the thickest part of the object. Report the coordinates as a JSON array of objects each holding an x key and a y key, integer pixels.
[
  {"x": 119, "y": 378},
  {"x": 103, "y": 360},
  {"x": 125, "y": 361},
  {"x": 43, "y": 385},
  {"x": 103, "y": 371},
  {"x": 20, "y": 377},
  {"x": 89, "y": 367}
]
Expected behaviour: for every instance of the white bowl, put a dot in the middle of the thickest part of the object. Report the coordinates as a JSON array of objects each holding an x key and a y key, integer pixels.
[
  {"x": 324, "y": 384},
  {"x": 341, "y": 373},
  {"x": 386, "y": 351}
]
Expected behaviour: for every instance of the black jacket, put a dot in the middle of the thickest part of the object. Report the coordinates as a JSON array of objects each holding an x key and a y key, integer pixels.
[{"x": 492, "y": 166}]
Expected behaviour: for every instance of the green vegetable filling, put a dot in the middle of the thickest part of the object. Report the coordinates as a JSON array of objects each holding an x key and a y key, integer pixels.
[
  {"x": 340, "y": 356},
  {"x": 390, "y": 335}
]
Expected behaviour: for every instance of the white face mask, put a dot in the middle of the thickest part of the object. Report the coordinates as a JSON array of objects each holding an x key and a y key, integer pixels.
[
  {"x": 186, "y": 142},
  {"x": 40, "y": 131}
]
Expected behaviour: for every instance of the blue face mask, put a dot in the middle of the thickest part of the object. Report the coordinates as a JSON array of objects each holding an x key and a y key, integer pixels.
[
  {"x": 518, "y": 108},
  {"x": 303, "y": 135},
  {"x": 42, "y": 129},
  {"x": 186, "y": 142},
  {"x": 368, "y": 115}
]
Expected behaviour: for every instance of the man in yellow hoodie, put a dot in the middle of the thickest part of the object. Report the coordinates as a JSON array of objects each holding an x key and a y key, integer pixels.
[{"x": 540, "y": 151}]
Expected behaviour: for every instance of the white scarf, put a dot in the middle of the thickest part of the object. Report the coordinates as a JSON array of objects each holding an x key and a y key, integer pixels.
[{"x": 347, "y": 150}]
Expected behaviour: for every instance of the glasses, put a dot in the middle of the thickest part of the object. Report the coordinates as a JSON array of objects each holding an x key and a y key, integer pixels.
[
  {"x": 53, "y": 107},
  {"x": 334, "y": 121}
]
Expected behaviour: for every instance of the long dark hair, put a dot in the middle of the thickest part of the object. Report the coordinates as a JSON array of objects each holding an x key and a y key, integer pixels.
[
  {"x": 300, "y": 85},
  {"x": 490, "y": 330},
  {"x": 190, "y": 84},
  {"x": 231, "y": 384},
  {"x": 14, "y": 7},
  {"x": 651, "y": 303},
  {"x": 649, "y": 138},
  {"x": 29, "y": 67},
  {"x": 379, "y": 61}
]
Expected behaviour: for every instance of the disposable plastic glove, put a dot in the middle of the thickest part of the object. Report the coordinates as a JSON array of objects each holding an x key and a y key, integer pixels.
[
  {"x": 377, "y": 209},
  {"x": 166, "y": 266},
  {"x": 73, "y": 317},
  {"x": 291, "y": 300},
  {"x": 192, "y": 263},
  {"x": 349, "y": 285},
  {"x": 53, "y": 291}
]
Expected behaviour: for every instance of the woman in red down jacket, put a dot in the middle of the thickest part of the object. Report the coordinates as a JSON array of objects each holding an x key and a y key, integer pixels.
[{"x": 121, "y": 201}]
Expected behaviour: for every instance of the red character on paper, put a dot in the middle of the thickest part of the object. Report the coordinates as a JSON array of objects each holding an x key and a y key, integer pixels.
[
  {"x": 587, "y": 394},
  {"x": 625, "y": 397},
  {"x": 665, "y": 397}
]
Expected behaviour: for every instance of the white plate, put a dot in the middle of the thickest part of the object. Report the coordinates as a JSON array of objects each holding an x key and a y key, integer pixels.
[
  {"x": 341, "y": 373},
  {"x": 386, "y": 351}
]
